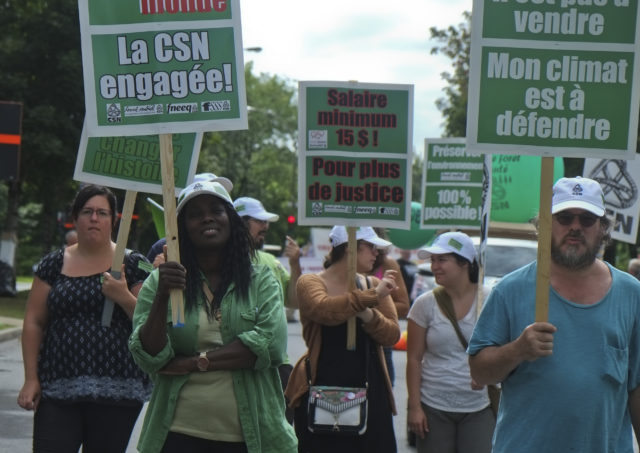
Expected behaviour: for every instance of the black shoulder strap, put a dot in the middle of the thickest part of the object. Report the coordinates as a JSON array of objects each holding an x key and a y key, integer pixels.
[
  {"x": 445, "y": 304},
  {"x": 359, "y": 285}
]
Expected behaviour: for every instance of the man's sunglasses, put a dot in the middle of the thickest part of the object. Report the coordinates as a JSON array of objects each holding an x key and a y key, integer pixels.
[{"x": 566, "y": 218}]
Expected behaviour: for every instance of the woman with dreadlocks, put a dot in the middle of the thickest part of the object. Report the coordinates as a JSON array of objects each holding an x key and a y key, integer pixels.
[{"x": 216, "y": 384}]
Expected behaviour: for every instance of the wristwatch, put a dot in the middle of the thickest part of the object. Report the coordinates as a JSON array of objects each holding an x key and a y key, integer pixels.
[{"x": 203, "y": 361}]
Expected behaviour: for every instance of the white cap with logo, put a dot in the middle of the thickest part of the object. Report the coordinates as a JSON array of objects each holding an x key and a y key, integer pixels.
[
  {"x": 451, "y": 242},
  {"x": 202, "y": 188},
  {"x": 202, "y": 177},
  {"x": 339, "y": 236},
  {"x": 578, "y": 192},
  {"x": 246, "y": 206}
]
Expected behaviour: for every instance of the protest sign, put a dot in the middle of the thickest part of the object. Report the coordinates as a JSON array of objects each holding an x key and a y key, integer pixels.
[
  {"x": 453, "y": 183},
  {"x": 162, "y": 66},
  {"x": 619, "y": 181},
  {"x": 133, "y": 162},
  {"x": 554, "y": 78},
  {"x": 355, "y": 154}
]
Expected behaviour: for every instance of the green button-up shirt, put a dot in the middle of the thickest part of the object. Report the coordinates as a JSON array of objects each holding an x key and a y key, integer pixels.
[{"x": 259, "y": 322}]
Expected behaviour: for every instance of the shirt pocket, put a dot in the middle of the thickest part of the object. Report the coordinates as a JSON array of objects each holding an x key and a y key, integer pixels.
[
  {"x": 615, "y": 364},
  {"x": 249, "y": 316}
]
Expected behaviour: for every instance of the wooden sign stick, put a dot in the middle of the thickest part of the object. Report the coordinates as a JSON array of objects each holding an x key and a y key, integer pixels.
[
  {"x": 121, "y": 245},
  {"x": 171, "y": 222},
  {"x": 352, "y": 260},
  {"x": 544, "y": 240}
]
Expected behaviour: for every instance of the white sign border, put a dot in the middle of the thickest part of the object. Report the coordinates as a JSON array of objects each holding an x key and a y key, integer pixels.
[{"x": 303, "y": 219}]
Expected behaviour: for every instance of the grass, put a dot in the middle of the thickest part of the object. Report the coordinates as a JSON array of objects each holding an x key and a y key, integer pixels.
[{"x": 14, "y": 307}]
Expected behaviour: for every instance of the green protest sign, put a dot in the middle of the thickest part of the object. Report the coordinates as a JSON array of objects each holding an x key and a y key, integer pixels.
[
  {"x": 162, "y": 66},
  {"x": 455, "y": 184},
  {"x": 133, "y": 162},
  {"x": 355, "y": 158},
  {"x": 554, "y": 78}
]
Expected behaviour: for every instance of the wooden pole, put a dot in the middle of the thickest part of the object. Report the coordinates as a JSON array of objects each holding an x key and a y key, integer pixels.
[
  {"x": 118, "y": 255},
  {"x": 171, "y": 222},
  {"x": 544, "y": 240},
  {"x": 352, "y": 261}
]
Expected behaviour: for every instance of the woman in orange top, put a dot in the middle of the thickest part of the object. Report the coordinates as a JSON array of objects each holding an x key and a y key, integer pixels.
[{"x": 326, "y": 303}]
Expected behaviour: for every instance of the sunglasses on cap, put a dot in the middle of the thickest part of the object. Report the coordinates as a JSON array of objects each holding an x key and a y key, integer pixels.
[{"x": 566, "y": 218}]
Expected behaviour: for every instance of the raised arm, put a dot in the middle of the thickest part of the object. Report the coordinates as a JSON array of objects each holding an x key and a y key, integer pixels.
[{"x": 292, "y": 251}]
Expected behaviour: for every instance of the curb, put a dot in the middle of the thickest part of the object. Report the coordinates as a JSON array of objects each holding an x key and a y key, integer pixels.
[{"x": 10, "y": 334}]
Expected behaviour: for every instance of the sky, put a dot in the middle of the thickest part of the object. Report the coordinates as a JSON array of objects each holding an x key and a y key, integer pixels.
[{"x": 370, "y": 41}]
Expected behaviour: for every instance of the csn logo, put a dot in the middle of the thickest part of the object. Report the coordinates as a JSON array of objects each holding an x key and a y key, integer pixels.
[{"x": 114, "y": 113}]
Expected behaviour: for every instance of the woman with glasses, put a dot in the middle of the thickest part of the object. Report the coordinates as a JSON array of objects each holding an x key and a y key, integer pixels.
[
  {"x": 326, "y": 303},
  {"x": 447, "y": 411},
  {"x": 80, "y": 378}
]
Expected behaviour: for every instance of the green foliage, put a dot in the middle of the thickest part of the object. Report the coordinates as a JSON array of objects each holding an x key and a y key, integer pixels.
[
  {"x": 456, "y": 45},
  {"x": 261, "y": 161},
  {"x": 41, "y": 66},
  {"x": 30, "y": 250},
  {"x": 14, "y": 307},
  {"x": 416, "y": 178}
]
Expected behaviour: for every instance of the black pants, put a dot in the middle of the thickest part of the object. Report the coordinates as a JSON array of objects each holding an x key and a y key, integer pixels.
[
  {"x": 181, "y": 443},
  {"x": 99, "y": 428},
  {"x": 285, "y": 371}
]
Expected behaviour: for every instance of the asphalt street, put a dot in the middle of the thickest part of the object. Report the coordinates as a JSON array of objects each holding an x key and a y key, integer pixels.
[{"x": 16, "y": 424}]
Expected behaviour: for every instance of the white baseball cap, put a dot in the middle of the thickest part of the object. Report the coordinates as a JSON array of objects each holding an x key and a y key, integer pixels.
[
  {"x": 246, "y": 206},
  {"x": 578, "y": 192},
  {"x": 451, "y": 242},
  {"x": 338, "y": 236},
  {"x": 202, "y": 177},
  {"x": 202, "y": 188}
]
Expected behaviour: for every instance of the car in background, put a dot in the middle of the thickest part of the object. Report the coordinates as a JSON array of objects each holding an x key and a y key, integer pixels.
[{"x": 502, "y": 255}]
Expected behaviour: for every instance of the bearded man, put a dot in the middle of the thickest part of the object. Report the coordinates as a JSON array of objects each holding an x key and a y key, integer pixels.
[{"x": 569, "y": 384}]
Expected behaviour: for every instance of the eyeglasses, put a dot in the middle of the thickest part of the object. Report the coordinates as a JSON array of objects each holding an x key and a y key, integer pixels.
[
  {"x": 261, "y": 222},
  {"x": 101, "y": 213},
  {"x": 373, "y": 247},
  {"x": 566, "y": 218}
]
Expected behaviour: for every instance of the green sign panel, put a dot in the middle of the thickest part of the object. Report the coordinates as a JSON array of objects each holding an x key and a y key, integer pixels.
[
  {"x": 161, "y": 66},
  {"x": 133, "y": 162},
  {"x": 557, "y": 77},
  {"x": 355, "y": 158},
  {"x": 455, "y": 185}
]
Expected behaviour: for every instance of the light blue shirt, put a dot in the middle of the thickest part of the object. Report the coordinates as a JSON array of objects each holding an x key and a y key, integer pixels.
[{"x": 576, "y": 399}]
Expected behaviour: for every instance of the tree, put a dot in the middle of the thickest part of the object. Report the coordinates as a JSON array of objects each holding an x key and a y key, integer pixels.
[
  {"x": 261, "y": 161},
  {"x": 41, "y": 66},
  {"x": 456, "y": 45}
]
